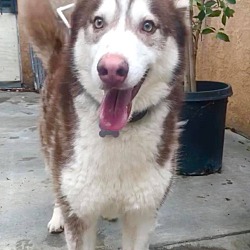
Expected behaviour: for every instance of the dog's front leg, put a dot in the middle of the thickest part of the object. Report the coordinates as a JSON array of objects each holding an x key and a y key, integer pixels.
[
  {"x": 137, "y": 226},
  {"x": 56, "y": 224},
  {"x": 80, "y": 234}
]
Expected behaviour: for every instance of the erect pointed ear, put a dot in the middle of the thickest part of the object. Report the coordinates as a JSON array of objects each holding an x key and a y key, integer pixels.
[{"x": 182, "y": 4}]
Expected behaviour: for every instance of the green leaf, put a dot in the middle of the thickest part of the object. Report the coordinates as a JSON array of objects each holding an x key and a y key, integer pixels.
[
  {"x": 210, "y": 3},
  {"x": 222, "y": 36},
  {"x": 229, "y": 12},
  {"x": 201, "y": 15},
  {"x": 224, "y": 19},
  {"x": 215, "y": 13},
  {"x": 209, "y": 11},
  {"x": 200, "y": 6},
  {"x": 231, "y": 1},
  {"x": 222, "y": 4},
  {"x": 207, "y": 31}
]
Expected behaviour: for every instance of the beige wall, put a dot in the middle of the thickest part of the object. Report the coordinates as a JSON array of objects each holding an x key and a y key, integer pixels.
[{"x": 230, "y": 62}]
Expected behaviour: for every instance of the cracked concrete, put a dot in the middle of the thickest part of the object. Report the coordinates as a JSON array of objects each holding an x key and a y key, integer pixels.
[{"x": 201, "y": 213}]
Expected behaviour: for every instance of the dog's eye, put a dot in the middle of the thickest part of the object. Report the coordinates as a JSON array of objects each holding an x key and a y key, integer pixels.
[
  {"x": 149, "y": 26},
  {"x": 98, "y": 23}
]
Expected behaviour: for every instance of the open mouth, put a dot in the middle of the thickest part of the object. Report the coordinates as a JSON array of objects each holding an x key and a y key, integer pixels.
[{"x": 116, "y": 106}]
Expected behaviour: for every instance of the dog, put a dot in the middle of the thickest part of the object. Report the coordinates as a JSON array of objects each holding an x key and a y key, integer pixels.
[{"x": 110, "y": 111}]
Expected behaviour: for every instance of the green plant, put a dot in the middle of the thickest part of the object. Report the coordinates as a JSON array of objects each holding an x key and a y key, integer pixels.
[{"x": 200, "y": 12}]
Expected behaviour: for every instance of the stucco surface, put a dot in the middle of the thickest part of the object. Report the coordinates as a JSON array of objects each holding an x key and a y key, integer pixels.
[{"x": 230, "y": 63}]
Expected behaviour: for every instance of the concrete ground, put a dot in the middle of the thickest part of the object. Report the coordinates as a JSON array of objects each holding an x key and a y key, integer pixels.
[{"x": 201, "y": 213}]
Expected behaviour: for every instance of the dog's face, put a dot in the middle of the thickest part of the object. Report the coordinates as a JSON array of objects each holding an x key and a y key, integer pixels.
[{"x": 127, "y": 52}]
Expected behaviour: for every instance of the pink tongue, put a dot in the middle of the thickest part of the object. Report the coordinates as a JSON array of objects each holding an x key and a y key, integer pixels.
[{"x": 115, "y": 109}]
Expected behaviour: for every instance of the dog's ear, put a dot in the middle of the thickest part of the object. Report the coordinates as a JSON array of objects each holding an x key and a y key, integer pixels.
[
  {"x": 45, "y": 32},
  {"x": 184, "y": 9},
  {"x": 182, "y": 4}
]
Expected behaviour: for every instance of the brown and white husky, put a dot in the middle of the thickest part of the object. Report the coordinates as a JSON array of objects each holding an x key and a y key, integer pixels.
[{"x": 111, "y": 101}]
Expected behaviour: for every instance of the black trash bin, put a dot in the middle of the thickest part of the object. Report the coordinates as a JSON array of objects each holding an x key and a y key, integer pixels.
[{"x": 202, "y": 140}]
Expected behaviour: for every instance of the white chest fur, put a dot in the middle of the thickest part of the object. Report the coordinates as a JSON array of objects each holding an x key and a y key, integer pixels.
[{"x": 115, "y": 174}]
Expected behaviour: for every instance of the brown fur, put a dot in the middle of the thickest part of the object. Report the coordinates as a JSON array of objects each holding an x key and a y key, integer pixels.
[
  {"x": 58, "y": 119},
  {"x": 57, "y": 127},
  {"x": 170, "y": 133},
  {"x": 78, "y": 19},
  {"x": 173, "y": 24},
  {"x": 46, "y": 34}
]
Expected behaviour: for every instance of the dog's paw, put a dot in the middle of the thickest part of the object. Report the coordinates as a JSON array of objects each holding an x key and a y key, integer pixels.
[{"x": 56, "y": 224}]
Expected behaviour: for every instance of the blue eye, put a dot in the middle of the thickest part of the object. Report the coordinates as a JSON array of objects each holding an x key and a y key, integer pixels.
[
  {"x": 98, "y": 23},
  {"x": 149, "y": 26}
]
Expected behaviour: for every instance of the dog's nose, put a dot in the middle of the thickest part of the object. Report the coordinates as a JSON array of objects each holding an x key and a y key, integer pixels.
[{"x": 113, "y": 70}]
